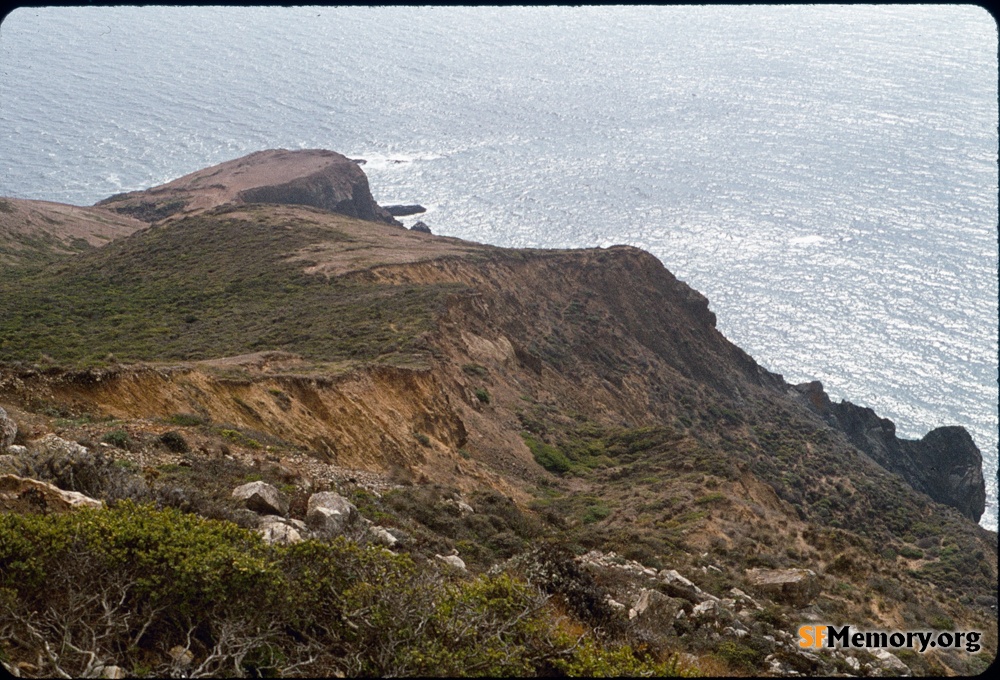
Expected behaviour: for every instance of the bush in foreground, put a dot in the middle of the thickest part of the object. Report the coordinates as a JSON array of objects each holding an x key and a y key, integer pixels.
[{"x": 163, "y": 593}]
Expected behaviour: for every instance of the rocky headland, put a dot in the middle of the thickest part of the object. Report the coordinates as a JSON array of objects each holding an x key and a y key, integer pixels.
[
  {"x": 556, "y": 446},
  {"x": 314, "y": 177}
]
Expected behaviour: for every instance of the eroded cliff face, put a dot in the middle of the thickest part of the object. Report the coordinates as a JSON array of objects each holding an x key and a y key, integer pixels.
[
  {"x": 945, "y": 464},
  {"x": 608, "y": 334}
]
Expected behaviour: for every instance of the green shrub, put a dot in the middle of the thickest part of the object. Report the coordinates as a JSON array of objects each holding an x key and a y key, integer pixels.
[
  {"x": 740, "y": 656},
  {"x": 128, "y": 582},
  {"x": 237, "y": 437},
  {"x": 549, "y": 457},
  {"x": 483, "y": 395},
  {"x": 119, "y": 438}
]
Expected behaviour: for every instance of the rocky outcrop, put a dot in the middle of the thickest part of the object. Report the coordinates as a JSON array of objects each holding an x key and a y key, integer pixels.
[
  {"x": 22, "y": 495},
  {"x": 54, "y": 445},
  {"x": 946, "y": 464},
  {"x": 262, "y": 498},
  {"x": 668, "y": 602},
  {"x": 421, "y": 227},
  {"x": 8, "y": 430},
  {"x": 796, "y": 587},
  {"x": 311, "y": 177},
  {"x": 329, "y": 513},
  {"x": 279, "y": 530}
]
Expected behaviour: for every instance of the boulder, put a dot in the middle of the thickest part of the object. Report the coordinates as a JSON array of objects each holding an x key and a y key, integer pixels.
[
  {"x": 382, "y": 535},
  {"x": 796, "y": 587},
  {"x": 646, "y": 597},
  {"x": 8, "y": 430},
  {"x": 677, "y": 586},
  {"x": 452, "y": 559},
  {"x": 22, "y": 495},
  {"x": 276, "y": 529},
  {"x": 743, "y": 601},
  {"x": 708, "y": 609},
  {"x": 330, "y": 513},
  {"x": 656, "y": 608},
  {"x": 890, "y": 663},
  {"x": 421, "y": 227},
  {"x": 51, "y": 444},
  {"x": 262, "y": 498}
]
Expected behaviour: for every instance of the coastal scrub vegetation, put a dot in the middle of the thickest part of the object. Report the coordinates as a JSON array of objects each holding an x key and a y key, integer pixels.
[
  {"x": 137, "y": 298},
  {"x": 161, "y": 592}
]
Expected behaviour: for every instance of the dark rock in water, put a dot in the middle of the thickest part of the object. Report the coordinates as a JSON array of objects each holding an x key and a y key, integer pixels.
[
  {"x": 404, "y": 210},
  {"x": 946, "y": 464},
  {"x": 359, "y": 161},
  {"x": 420, "y": 226}
]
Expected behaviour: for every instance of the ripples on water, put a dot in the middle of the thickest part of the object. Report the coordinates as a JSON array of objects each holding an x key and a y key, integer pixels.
[{"x": 827, "y": 176}]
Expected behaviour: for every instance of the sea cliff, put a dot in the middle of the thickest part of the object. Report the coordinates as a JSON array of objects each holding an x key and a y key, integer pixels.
[{"x": 268, "y": 322}]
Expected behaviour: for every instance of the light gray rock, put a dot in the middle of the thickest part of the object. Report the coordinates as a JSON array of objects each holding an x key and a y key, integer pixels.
[
  {"x": 646, "y": 598},
  {"x": 329, "y": 513},
  {"x": 889, "y": 662},
  {"x": 262, "y": 498},
  {"x": 113, "y": 673},
  {"x": 742, "y": 599},
  {"x": 52, "y": 444},
  {"x": 276, "y": 529},
  {"x": 8, "y": 430},
  {"x": 17, "y": 450},
  {"x": 20, "y": 494},
  {"x": 797, "y": 587},
  {"x": 452, "y": 559},
  {"x": 706, "y": 609},
  {"x": 678, "y": 586},
  {"x": 382, "y": 535}
]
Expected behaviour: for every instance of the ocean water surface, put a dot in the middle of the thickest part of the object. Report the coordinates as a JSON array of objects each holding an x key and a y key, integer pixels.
[{"x": 826, "y": 175}]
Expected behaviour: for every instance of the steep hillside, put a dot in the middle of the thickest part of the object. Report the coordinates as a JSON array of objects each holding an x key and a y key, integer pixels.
[{"x": 492, "y": 401}]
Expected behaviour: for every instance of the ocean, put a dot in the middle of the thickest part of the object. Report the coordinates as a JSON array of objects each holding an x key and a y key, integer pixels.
[{"x": 826, "y": 175}]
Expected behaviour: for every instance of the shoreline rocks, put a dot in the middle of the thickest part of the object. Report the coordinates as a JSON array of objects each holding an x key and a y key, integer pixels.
[{"x": 404, "y": 210}]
